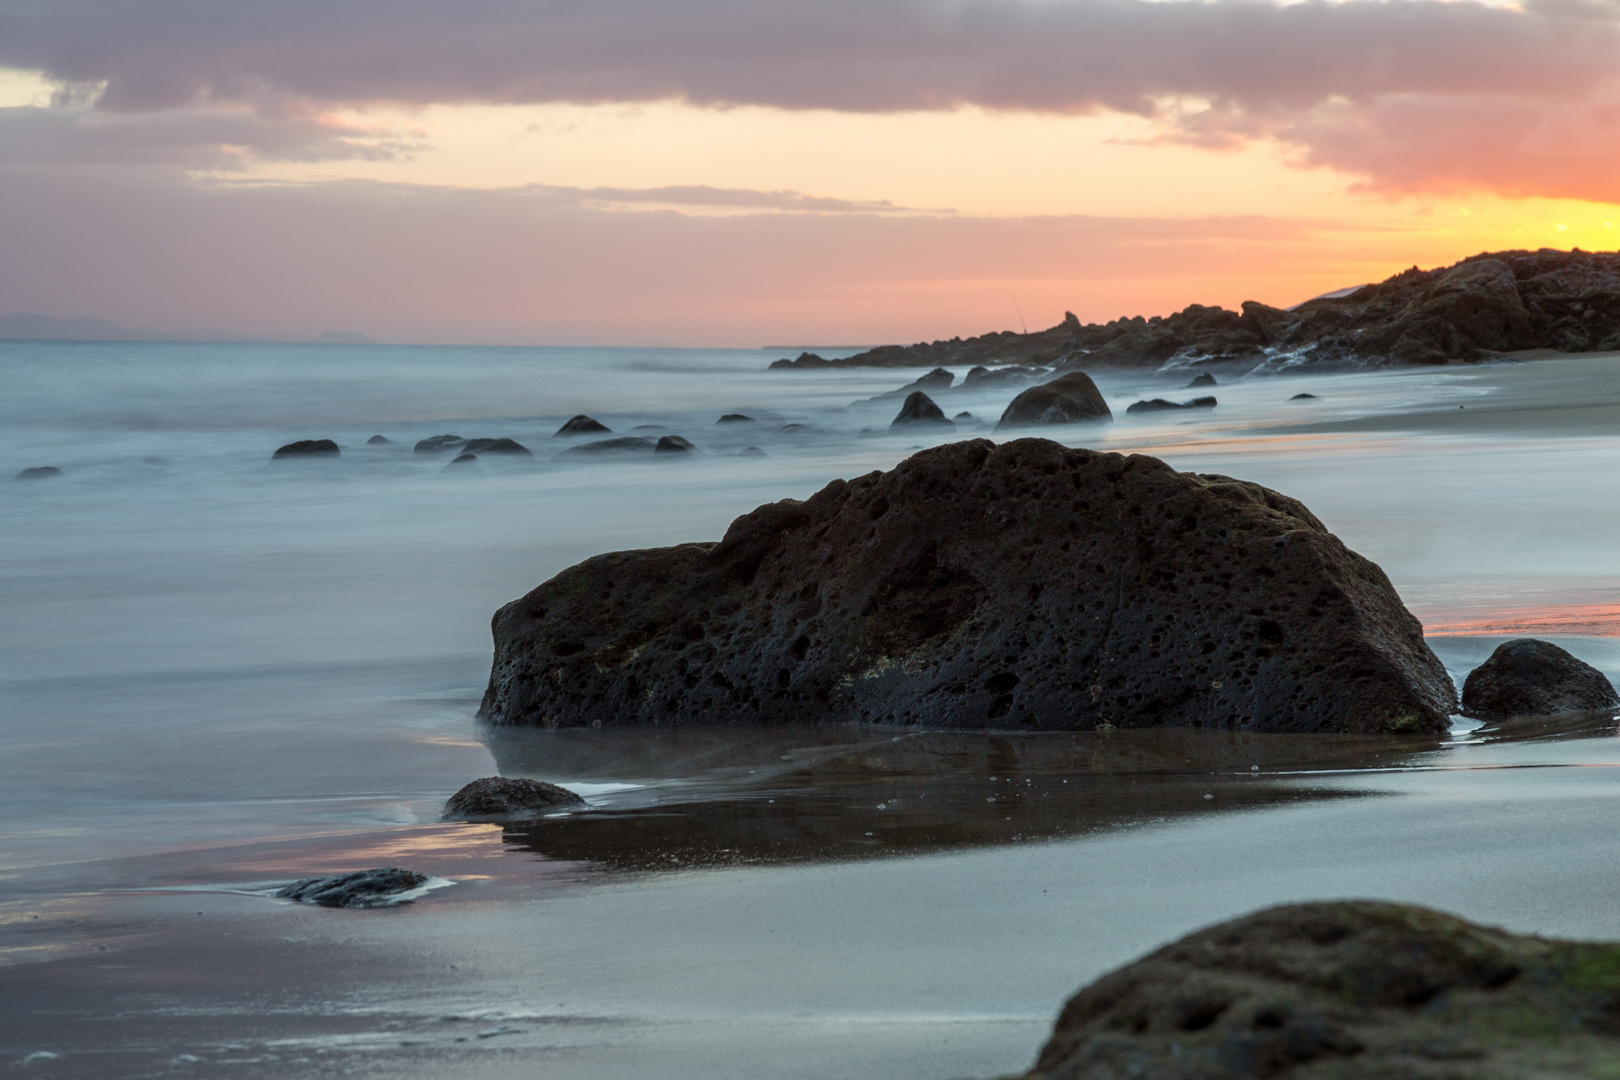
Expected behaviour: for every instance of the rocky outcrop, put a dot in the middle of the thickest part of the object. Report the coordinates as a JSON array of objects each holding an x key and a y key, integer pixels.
[
  {"x": 673, "y": 444},
  {"x": 495, "y": 446},
  {"x": 1069, "y": 399},
  {"x": 582, "y": 425},
  {"x": 1526, "y": 677},
  {"x": 1490, "y": 303},
  {"x": 1351, "y": 991},
  {"x": 1024, "y": 586},
  {"x": 435, "y": 443},
  {"x": 38, "y": 472},
  {"x": 382, "y": 887},
  {"x": 307, "y": 448},
  {"x": 501, "y": 798},
  {"x": 1158, "y": 404},
  {"x": 919, "y": 411}
]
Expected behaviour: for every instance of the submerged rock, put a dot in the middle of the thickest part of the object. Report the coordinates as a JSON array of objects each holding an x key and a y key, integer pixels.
[
  {"x": 919, "y": 410},
  {"x": 1201, "y": 379},
  {"x": 38, "y": 472},
  {"x": 627, "y": 444},
  {"x": 435, "y": 443},
  {"x": 582, "y": 425},
  {"x": 1025, "y": 585},
  {"x": 673, "y": 444},
  {"x": 735, "y": 418},
  {"x": 497, "y": 798},
  {"x": 1353, "y": 990},
  {"x": 495, "y": 446},
  {"x": 1161, "y": 405},
  {"x": 752, "y": 451},
  {"x": 1303, "y": 397},
  {"x": 462, "y": 459},
  {"x": 362, "y": 889},
  {"x": 308, "y": 448},
  {"x": 1070, "y": 399},
  {"x": 379, "y": 440},
  {"x": 1526, "y": 677},
  {"x": 789, "y": 429}
]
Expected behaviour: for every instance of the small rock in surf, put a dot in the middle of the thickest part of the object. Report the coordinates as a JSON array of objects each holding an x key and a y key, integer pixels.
[
  {"x": 495, "y": 446},
  {"x": 673, "y": 444},
  {"x": 1201, "y": 379},
  {"x": 362, "y": 889},
  {"x": 308, "y": 448},
  {"x": 735, "y": 418},
  {"x": 583, "y": 425},
  {"x": 438, "y": 442},
  {"x": 1527, "y": 677},
  {"x": 919, "y": 410},
  {"x": 496, "y": 798},
  {"x": 1071, "y": 399},
  {"x": 1161, "y": 405},
  {"x": 379, "y": 440}
]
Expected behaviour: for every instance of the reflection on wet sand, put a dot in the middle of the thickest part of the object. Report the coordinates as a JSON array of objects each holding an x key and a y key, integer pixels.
[{"x": 737, "y": 796}]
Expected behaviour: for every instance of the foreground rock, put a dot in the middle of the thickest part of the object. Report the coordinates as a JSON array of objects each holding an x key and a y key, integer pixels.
[
  {"x": 1024, "y": 586},
  {"x": 363, "y": 889},
  {"x": 38, "y": 472},
  {"x": 1527, "y": 677},
  {"x": 1070, "y": 399},
  {"x": 308, "y": 448},
  {"x": 919, "y": 411},
  {"x": 501, "y": 798},
  {"x": 1160, "y": 405},
  {"x": 1351, "y": 991},
  {"x": 582, "y": 425}
]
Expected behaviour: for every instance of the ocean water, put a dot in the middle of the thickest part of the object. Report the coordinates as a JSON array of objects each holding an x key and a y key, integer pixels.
[{"x": 217, "y": 670}]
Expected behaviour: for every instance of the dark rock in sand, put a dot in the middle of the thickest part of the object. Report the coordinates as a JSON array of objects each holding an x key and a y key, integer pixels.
[
  {"x": 308, "y": 448},
  {"x": 805, "y": 360},
  {"x": 1070, "y": 399},
  {"x": 1303, "y": 397},
  {"x": 582, "y": 425},
  {"x": 379, "y": 440},
  {"x": 462, "y": 459},
  {"x": 435, "y": 443},
  {"x": 1201, "y": 379},
  {"x": 361, "y": 889},
  {"x": 1353, "y": 990},
  {"x": 497, "y": 798},
  {"x": 1161, "y": 405},
  {"x": 1025, "y": 586},
  {"x": 38, "y": 472},
  {"x": 1526, "y": 677},
  {"x": 735, "y": 418},
  {"x": 919, "y": 410},
  {"x": 496, "y": 446},
  {"x": 628, "y": 444},
  {"x": 673, "y": 444}
]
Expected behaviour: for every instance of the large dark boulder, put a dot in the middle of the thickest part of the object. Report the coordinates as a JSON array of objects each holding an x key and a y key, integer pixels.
[
  {"x": 1025, "y": 586},
  {"x": 582, "y": 425},
  {"x": 1355, "y": 990},
  {"x": 1069, "y": 399},
  {"x": 307, "y": 448},
  {"x": 1526, "y": 677},
  {"x": 673, "y": 444},
  {"x": 502, "y": 798},
  {"x": 495, "y": 446},
  {"x": 382, "y": 887},
  {"x": 919, "y": 410}
]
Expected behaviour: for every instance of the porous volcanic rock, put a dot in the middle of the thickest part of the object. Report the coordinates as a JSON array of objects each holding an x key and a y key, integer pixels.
[
  {"x": 498, "y": 798},
  {"x": 495, "y": 446},
  {"x": 1022, "y": 586},
  {"x": 582, "y": 425},
  {"x": 38, "y": 472},
  {"x": 1526, "y": 677},
  {"x": 308, "y": 448},
  {"x": 434, "y": 443},
  {"x": 919, "y": 410},
  {"x": 1352, "y": 990},
  {"x": 1200, "y": 380},
  {"x": 1069, "y": 399},
  {"x": 362, "y": 889},
  {"x": 673, "y": 444},
  {"x": 1158, "y": 404},
  {"x": 379, "y": 440}
]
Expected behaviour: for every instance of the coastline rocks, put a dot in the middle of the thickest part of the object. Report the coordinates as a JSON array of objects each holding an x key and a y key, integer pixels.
[
  {"x": 499, "y": 798},
  {"x": 38, "y": 472},
  {"x": 1021, "y": 586},
  {"x": 1161, "y": 405},
  {"x": 627, "y": 444},
  {"x": 804, "y": 360},
  {"x": 919, "y": 410},
  {"x": 582, "y": 425},
  {"x": 379, "y": 440},
  {"x": 1526, "y": 677},
  {"x": 381, "y": 887},
  {"x": 433, "y": 444},
  {"x": 735, "y": 418},
  {"x": 1070, "y": 399},
  {"x": 1202, "y": 379},
  {"x": 982, "y": 378},
  {"x": 673, "y": 444},
  {"x": 495, "y": 446},
  {"x": 308, "y": 448},
  {"x": 1352, "y": 990}
]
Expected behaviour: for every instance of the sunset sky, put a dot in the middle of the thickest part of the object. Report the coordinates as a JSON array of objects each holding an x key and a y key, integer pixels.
[{"x": 721, "y": 172}]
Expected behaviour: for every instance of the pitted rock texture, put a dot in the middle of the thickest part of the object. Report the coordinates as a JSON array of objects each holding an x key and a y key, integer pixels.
[
  {"x": 1020, "y": 586},
  {"x": 1069, "y": 399},
  {"x": 1349, "y": 991},
  {"x": 1526, "y": 677},
  {"x": 500, "y": 798}
]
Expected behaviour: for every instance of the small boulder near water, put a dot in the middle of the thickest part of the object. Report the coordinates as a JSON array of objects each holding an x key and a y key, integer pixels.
[
  {"x": 1527, "y": 677},
  {"x": 435, "y": 443},
  {"x": 379, "y": 440},
  {"x": 381, "y": 887},
  {"x": 582, "y": 425},
  {"x": 673, "y": 444},
  {"x": 1027, "y": 586},
  {"x": 38, "y": 472},
  {"x": 1161, "y": 405},
  {"x": 919, "y": 410},
  {"x": 499, "y": 798},
  {"x": 308, "y": 448},
  {"x": 735, "y": 418},
  {"x": 1353, "y": 990},
  {"x": 1203, "y": 378},
  {"x": 1069, "y": 399},
  {"x": 495, "y": 446}
]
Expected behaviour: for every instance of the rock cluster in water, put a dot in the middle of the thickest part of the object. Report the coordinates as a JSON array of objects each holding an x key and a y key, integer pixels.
[
  {"x": 1527, "y": 677},
  {"x": 1348, "y": 991},
  {"x": 1026, "y": 586},
  {"x": 362, "y": 889},
  {"x": 499, "y": 798},
  {"x": 1490, "y": 303}
]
